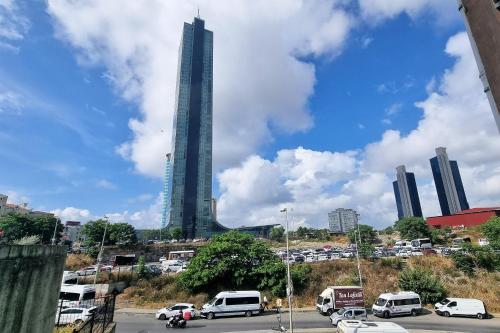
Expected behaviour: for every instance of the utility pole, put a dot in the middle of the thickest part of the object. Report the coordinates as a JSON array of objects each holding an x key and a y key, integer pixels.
[
  {"x": 99, "y": 256},
  {"x": 289, "y": 289},
  {"x": 55, "y": 231}
]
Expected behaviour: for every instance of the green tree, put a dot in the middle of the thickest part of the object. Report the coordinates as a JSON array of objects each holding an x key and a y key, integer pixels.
[
  {"x": 368, "y": 234},
  {"x": 141, "y": 267},
  {"x": 236, "y": 261},
  {"x": 412, "y": 228},
  {"x": 389, "y": 230},
  {"x": 491, "y": 230},
  {"x": 93, "y": 231},
  {"x": 176, "y": 233},
  {"x": 122, "y": 233},
  {"x": 424, "y": 283},
  {"x": 17, "y": 226},
  {"x": 366, "y": 250},
  {"x": 302, "y": 232},
  {"x": 277, "y": 234}
]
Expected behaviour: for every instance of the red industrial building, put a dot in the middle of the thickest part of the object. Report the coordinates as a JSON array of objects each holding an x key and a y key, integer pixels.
[{"x": 467, "y": 218}]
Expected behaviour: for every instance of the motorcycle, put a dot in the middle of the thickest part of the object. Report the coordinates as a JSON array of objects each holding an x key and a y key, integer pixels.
[{"x": 176, "y": 321}]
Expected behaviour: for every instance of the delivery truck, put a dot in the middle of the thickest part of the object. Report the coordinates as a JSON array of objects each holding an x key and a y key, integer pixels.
[{"x": 335, "y": 297}]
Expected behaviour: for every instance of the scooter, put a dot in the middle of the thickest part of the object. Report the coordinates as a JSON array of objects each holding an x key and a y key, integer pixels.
[{"x": 176, "y": 321}]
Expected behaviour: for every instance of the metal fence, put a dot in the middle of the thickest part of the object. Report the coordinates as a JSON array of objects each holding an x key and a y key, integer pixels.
[{"x": 88, "y": 316}]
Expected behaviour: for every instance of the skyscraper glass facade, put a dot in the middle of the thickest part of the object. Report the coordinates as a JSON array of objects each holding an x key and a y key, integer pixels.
[
  {"x": 406, "y": 194},
  {"x": 449, "y": 187},
  {"x": 192, "y": 134}
]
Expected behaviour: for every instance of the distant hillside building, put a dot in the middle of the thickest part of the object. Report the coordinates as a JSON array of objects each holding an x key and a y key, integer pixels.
[
  {"x": 467, "y": 218},
  {"x": 342, "y": 220},
  {"x": 406, "y": 193},
  {"x": 6, "y": 208},
  {"x": 449, "y": 187},
  {"x": 72, "y": 230}
]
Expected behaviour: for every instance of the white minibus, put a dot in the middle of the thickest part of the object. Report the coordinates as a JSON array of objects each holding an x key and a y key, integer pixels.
[
  {"x": 397, "y": 304},
  {"x": 232, "y": 303},
  {"x": 74, "y": 294}
]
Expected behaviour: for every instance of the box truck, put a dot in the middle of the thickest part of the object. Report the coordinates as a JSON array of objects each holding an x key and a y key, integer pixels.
[{"x": 335, "y": 297}]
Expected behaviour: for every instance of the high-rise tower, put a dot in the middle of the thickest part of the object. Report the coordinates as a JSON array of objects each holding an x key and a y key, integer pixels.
[
  {"x": 448, "y": 183},
  {"x": 406, "y": 193},
  {"x": 192, "y": 134}
]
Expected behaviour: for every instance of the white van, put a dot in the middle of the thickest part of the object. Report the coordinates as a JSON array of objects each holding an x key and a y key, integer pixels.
[
  {"x": 468, "y": 307},
  {"x": 356, "y": 326},
  {"x": 397, "y": 304},
  {"x": 232, "y": 303},
  {"x": 74, "y": 295}
]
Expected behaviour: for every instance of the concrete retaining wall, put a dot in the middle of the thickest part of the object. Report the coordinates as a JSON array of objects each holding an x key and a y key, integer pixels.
[{"x": 30, "y": 280}]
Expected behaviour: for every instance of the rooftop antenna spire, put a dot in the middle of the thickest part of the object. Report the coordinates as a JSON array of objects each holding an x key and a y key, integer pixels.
[{"x": 198, "y": 12}]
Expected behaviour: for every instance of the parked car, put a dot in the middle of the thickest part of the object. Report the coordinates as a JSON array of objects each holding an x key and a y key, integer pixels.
[
  {"x": 429, "y": 252},
  {"x": 351, "y": 313},
  {"x": 73, "y": 315},
  {"x": 91, "y": 270},
  {"x": 396, "y": 304},
  {"x": 467, "y": 307},
  {"x": 416, "y": 253},
  {"x": 75, "y": 295},
  {"x": 162, "y": 259},
  {"x": 357, "y": 326},
  {"x": 165, "y": 313}
]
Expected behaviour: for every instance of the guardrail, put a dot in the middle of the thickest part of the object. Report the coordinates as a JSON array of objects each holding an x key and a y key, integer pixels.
[{"x": 89, "y": 316}]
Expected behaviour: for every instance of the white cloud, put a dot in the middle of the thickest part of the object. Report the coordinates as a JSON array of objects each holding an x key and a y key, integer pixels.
[
  {"x": 106, "y": 184},
  {"x": 457, "y": 116},
  {"x": 375, "y": 11},
  {"x": 13, "y": 25},
  {"x": 73, "y": 214},
  {"x": 138, "y": 45}
]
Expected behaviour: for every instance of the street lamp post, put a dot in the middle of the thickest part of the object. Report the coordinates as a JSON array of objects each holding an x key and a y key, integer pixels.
[
  {"x": 99, "y": 256},
  {"x": 289, "y": 289}
]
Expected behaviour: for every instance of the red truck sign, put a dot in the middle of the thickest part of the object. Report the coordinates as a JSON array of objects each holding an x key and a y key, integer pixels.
[{"x": 348, "y": 297}]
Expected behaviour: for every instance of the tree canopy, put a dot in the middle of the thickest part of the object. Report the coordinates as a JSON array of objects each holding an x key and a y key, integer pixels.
[
  {"x": 235, "y": 261},
  {"x": 17, "y": 226},
  {"x": 117, "y": 233},
  {"x": 412, "y": 228},
  {"x": 277, "y": 234},
  {"x": 491, "y": 230},
  {"x": 368, "y": 234}
]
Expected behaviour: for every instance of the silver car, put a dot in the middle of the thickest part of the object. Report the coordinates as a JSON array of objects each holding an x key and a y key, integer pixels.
[{"x": 356, "y": 313}]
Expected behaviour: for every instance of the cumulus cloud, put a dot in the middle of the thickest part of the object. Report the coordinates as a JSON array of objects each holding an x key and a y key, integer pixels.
[
  {"x": 456, "y": 114},
  {"x": 73, "y": 214},
  {"x": 148, "y": 217},
  {"x": 138, "y": 45}
]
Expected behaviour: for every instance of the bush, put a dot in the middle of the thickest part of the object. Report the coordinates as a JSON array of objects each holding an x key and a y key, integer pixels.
[
  {"x": 396, "y": 263},
  {"x": 464, "y": 262},
  {"x": 424, "y": 283},
  {"x": 300, "y": 276}
]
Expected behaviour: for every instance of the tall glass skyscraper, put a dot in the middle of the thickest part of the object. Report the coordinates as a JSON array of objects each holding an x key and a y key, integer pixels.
[
  {"x": 192, "y": 134},
  {"x": 449, "y": 187},
  {"x": 406, "y": 193}
]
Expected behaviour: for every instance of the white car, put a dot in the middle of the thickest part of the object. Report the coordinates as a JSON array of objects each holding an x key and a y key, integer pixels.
[
  {"x": 416, "y": 253},
  {"x": 74, "y": 315},
  {"x": 162, "y": 259},
  {"x": 165, "y": 313},
  {"x": 91, "y": 270}
]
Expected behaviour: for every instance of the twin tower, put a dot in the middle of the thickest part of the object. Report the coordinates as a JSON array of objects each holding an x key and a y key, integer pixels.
[{"x": 449, "y": 187}]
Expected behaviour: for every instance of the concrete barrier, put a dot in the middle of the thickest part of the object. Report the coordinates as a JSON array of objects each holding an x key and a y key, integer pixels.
[{"x": 30, "y": 280}]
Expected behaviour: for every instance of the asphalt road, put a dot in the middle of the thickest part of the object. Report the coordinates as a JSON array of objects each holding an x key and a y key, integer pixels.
[{"x": 134, "y": 323}]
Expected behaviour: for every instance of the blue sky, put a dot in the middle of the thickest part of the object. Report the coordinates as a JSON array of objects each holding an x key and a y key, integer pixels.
[{"x": 86, "y": 103}]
